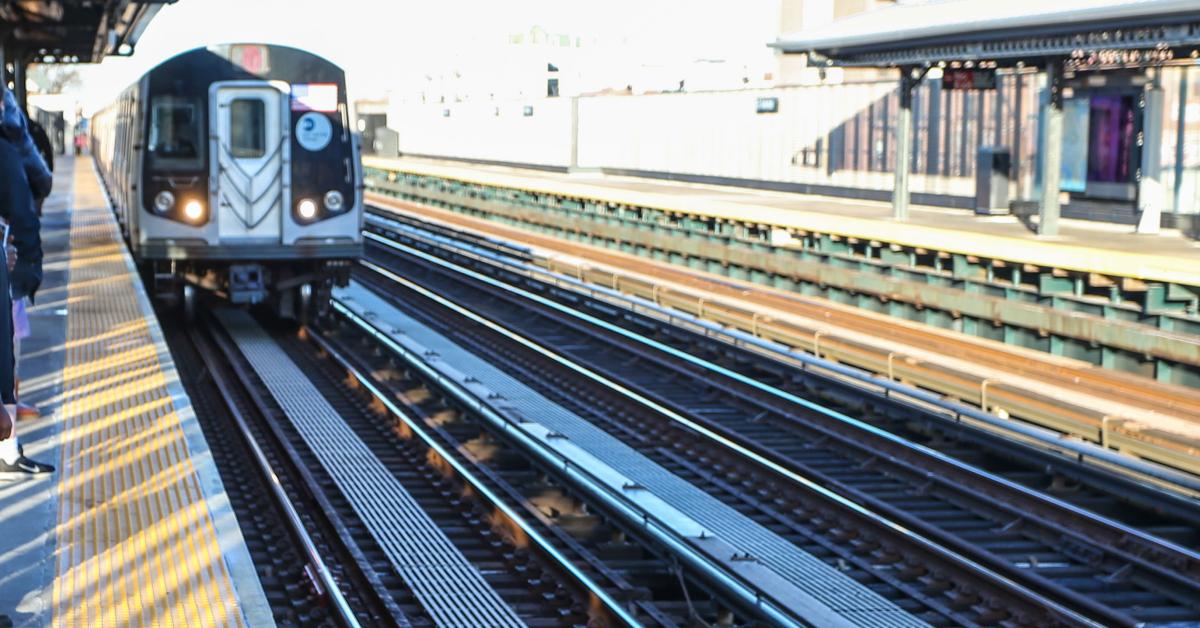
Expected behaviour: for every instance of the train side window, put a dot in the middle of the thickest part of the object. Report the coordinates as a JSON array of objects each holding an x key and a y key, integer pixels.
[
  {"x": 175, "y": 133},
  {"x": 247, "y": 128}
]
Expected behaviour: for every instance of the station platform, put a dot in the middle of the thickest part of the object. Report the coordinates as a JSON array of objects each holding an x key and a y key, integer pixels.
[
  {"x": 134, "y": 528},
  {"x": 1085, "y": 246}
]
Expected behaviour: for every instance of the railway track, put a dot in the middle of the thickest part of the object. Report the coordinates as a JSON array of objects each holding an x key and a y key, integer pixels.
[
  {"x": 297, "y": 552},
  {"x": 505, "y": 515},
  {"x": 1120, "y": 390},
  {"x": 1103, "y": 570},
  {"x": 927, "y": 583},
  {"x": 629, "y": 570},
  {"x": 376, "y": 593},
  {"x": 854, "y": 385}
]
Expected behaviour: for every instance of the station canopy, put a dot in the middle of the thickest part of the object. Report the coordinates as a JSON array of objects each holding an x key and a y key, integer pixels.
[
  {"x": 1006, "y": 33},
  {"x": 83, "y": 31}
]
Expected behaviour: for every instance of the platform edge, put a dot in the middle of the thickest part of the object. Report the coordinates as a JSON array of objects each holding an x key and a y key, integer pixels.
[{"x": 251, "y": 598}]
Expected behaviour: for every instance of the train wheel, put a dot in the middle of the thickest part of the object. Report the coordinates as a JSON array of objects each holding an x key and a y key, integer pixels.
[
  {"x": 188, "y": 300},
  {"x": 304, "y": 304}
]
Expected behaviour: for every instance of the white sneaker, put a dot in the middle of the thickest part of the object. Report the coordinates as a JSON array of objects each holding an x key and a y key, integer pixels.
[{"x": 24, "y": 466}]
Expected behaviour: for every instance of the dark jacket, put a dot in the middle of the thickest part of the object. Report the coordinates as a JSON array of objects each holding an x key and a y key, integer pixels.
[
  {"x": 17, "y": 207},
  {"x": 15, "y": 199},
  {"x": 15, "y": 128}
]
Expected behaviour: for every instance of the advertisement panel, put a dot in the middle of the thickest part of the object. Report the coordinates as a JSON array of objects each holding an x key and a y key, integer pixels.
[{"x": 1076, "y": 118}]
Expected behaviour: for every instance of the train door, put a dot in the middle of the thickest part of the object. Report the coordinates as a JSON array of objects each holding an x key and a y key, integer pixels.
[{"x": 250, "y": 170}]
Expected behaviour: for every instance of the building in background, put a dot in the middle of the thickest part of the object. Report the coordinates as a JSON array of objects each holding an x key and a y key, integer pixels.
[{"x": 539, "y": 61}]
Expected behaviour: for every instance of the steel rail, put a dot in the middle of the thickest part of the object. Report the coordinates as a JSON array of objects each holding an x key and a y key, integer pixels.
[
  {"x": 418, "y": 428},
  {"x": 1052, "y": 440},
  {"x": 1001, "y": 581},
  {"x": 1093, "y": 522},
  {"x": 581, "y": 477},
  {"x": 737, "y": 303},
  {"x": 331, "y": 589}
]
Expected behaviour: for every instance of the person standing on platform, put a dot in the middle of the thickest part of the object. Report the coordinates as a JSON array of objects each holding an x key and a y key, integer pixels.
[
  {"x": 31, "y": 140},
  {"x": 20, "y": 274},
  {"x": 14, "y": 125},
  {"x": 81, "y": 140}
]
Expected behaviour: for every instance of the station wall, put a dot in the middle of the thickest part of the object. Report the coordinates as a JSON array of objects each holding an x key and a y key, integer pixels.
[
  {"x": 821, "y": 138},
  {"x": 487, "y": 131},
  {"x": 722, "y": 134},
  {"x": 824, "y": 135}
]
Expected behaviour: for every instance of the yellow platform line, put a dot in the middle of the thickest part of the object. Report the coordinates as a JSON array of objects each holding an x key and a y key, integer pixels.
[{"x": 136, "y": 543}]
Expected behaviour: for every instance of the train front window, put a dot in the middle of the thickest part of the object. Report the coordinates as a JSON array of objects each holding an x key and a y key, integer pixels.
[
  {"x": 175, "y": 140},
  {"x": 247, "y": 128}
]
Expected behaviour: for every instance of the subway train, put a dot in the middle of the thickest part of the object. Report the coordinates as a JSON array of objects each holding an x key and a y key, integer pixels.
[{"x": 233, "y": 169}]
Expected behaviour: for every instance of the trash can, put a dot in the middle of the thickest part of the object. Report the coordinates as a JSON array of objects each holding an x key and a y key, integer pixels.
[
  {"x": 993, "y": 173},
  {"x": 387, "y": 142}
]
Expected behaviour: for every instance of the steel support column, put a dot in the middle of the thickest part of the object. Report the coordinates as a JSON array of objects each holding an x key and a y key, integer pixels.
[
  {"x": 904, "y": 139},
  {"x": 1151, "y": 192},
  {"x": 574, "y": 133},
  {"x": 1052, "y": 151},
  {"x": 1181, "y": 138}
]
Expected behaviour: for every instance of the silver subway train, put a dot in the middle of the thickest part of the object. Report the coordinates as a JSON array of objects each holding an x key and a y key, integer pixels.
[{"x": 233, "y": 169}]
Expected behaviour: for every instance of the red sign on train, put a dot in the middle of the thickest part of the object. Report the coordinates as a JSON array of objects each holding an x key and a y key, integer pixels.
[{"x": 250, "y": 58}]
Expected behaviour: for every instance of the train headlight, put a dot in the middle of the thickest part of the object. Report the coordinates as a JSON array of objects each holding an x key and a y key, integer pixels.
[
  {"x": 193, "y": 211},
  {"x": 334, "y": 201},
  {"x": 306, "y": 209},
  {"x": 163, "y": 202}
]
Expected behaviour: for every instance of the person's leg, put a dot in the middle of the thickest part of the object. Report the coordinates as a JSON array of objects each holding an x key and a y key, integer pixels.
[
  {"x": 9, "y": 452},
  {"x": 12, "y": 460}
]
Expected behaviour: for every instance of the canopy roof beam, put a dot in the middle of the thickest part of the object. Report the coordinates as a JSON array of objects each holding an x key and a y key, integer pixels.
[
  {"x": 73, "y": 30},
  {"x": 1011, "y": 33}
]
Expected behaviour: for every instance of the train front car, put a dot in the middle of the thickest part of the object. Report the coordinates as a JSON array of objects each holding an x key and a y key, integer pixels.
[{"x": 250, "y": 176}]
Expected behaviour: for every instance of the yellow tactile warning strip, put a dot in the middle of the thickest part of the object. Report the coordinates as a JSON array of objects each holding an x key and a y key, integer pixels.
[{"x": 136, "y": 541}]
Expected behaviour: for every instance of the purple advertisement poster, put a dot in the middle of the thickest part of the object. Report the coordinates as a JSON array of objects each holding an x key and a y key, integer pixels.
[{"x": 1110, "y": 139}]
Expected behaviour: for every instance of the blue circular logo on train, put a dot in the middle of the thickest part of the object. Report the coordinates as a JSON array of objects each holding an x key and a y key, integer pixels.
[{"x": 313, "y": 131}]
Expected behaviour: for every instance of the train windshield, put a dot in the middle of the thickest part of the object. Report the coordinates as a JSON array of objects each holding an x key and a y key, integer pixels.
[
  {"x": 175, "y": 140},
  {"x": 248, "y": 128}
]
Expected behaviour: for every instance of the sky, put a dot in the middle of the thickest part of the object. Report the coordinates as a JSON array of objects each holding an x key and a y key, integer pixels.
[{"x": 391, "y": 44}]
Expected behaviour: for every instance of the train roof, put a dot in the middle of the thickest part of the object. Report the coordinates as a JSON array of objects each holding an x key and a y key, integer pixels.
[{"x": 255, "y": 58}]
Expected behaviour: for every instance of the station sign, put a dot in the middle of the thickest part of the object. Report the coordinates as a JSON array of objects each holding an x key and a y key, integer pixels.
[
  {"x": 768, "y": 104},
  {"x": 954, "y": 78}
]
